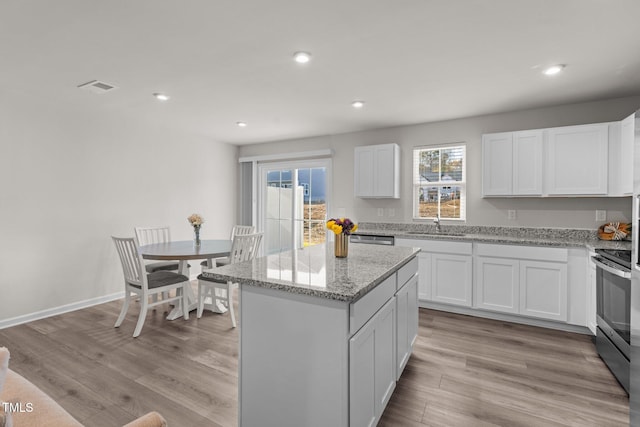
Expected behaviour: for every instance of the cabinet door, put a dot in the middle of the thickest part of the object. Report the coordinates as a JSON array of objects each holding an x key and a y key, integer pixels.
[
  {"x": 385, "y": 173},
  {"x": 577, "y": 160},
  {"x": 424, "y": 276},
  {"x": 527, "y": 163},
  {"x": 497, "y": 284},
  {"x": 385, "y": 355},
  {"x": 451, "y": 279},
  {"x": 497, "y": 163},
  {"x": 406, "y": 322},
  {"x": 626, "y": 160},
  {"x": 543, "y": 290},
  {"x": 363, "y": 171},
  {"x": 372, "y": 368}
]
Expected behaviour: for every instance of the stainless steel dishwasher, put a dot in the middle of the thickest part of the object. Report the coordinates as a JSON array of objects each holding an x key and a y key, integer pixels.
[{"x": 373, "y": 239}]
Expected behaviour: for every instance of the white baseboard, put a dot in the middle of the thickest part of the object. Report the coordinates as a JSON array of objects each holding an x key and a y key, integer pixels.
[
  {"x": 18, "y": 320},
  {"x": 506, "y": 317}
]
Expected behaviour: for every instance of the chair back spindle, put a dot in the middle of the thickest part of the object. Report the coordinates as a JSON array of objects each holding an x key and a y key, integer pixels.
[
  {"x": 152, "y": 235},
  {"x": 244, "y": 247},
  {"x": 131, "y": 260}
]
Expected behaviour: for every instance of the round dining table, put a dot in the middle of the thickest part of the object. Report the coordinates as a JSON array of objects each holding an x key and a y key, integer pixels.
[{"x": 183, "y": 251}]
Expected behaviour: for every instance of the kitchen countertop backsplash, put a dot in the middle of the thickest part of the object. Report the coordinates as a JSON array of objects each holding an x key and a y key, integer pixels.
[{"x": 557, "y": 237}]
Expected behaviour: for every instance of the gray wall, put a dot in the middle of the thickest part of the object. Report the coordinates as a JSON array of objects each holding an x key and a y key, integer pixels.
[
  {"x": 547, "y": 212},
  {"x": 72, "y": 178}
]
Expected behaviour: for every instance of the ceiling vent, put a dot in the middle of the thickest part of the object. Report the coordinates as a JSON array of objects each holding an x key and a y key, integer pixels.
[{"x": 98, "y": 87}]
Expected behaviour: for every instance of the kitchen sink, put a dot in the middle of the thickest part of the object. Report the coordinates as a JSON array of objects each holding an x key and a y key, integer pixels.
[{"x": 436, "y": 233}]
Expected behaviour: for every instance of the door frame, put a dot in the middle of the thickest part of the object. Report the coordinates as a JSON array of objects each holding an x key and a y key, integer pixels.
[{"x": 261, "y": 177}]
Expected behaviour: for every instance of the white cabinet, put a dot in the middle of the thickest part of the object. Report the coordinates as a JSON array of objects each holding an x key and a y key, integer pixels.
[
  {"x": 621, "y": 141},
  {"x": 543, "y": 290},
  {"x": 512, "y": 163},
  {"x": 576, "y": 160},
  {"x": 591, "y": 308},
  {"x": 451, "y": 280},
  {"x": 372, "y": 368},
  {"x": 407, "y": 322},
  {"x": 497, "y": 164},
  {"x": 584, "y": 160},
  {"x": 527, "y": 163},
  {"x": 424, "y": 274},
  {"x": 446, "y": 270},
  {"x": 377, "y": 171},
  {"x": 497, "y": 284},
  {"x": 524, "y": 280}
]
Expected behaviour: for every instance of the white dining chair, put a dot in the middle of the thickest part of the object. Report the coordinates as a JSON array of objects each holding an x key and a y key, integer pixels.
[
  {"x": 243, "y": 248},
  {"x": 237, "y": 230},
  {"x": 151, "y": 236},
  {"x": 138, "y": 282}
]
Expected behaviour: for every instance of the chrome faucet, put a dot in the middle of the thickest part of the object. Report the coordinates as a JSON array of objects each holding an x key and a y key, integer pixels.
[{"x": 437, "y": 223}]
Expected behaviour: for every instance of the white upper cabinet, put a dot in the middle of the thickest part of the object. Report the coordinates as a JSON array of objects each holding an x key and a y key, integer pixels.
[
  {"x": 497, "y": 164},
  {"x": 377, "y": 171},
  {"x": 527, "y": 163},
  {"x": 512, "y": 163},
  {"x": 621, "y": 137},
  {"x": 585, "y": 160},
  {"x": 577, "y": 160}
]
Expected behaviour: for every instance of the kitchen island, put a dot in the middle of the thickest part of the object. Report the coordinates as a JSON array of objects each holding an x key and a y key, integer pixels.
[{"x": 323, "y": 340}]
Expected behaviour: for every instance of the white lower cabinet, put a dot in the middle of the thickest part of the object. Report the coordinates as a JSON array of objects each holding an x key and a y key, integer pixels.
[
  {"x": 407, "y": 322},
  {"x": 524, "y": 280},
  {"x": 497, "y": 284},
  {"x": 372, "y": 368},
  {"x": 446, "y": 270},
  {"x": 451, "y": 280},
  {"x": 543, "y": 290},
  {"x": 536, "y": 282}
]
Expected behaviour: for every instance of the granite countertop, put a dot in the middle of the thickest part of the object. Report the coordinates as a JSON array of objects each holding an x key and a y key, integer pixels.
[
  {"x": 315, "y": 271},
  {"x": 553, "y": 237}
]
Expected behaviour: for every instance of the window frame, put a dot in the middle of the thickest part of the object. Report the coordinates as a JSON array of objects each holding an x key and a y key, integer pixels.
[{"x": 416, "y": 185}]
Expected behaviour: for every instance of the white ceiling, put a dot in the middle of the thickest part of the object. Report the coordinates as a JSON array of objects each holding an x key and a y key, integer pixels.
[{"x": 223, "y": 61}]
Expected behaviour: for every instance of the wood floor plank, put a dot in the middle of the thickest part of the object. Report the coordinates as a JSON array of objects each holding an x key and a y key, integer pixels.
[{"x": 464, "y": 371}]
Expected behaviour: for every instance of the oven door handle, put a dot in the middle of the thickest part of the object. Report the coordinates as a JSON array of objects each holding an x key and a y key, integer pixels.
[{"x": 612, "y": 270}]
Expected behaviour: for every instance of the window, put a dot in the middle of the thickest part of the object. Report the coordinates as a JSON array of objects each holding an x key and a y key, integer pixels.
[{"x": 439, "y": 187}]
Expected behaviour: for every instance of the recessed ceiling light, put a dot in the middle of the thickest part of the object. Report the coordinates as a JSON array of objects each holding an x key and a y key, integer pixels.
[
  {"x": 553, "y": 70},
  {"x": 302, "y": 57},
  {"x": 357, "y": 104},
  {"x": 241, "y": 124},
  {"x": 161, "y": 96}
]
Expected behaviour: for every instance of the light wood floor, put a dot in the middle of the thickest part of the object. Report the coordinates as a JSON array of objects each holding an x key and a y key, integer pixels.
[{"x": 464, "y": 371}]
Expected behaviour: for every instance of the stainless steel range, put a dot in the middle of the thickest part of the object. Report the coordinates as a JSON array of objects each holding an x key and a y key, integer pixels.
[{"x": 613, "y": 298}]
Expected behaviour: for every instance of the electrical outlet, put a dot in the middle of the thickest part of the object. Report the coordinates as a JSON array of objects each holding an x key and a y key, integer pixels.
[
  {"x": 380, "y": 211},
  {"x": 511, "y": 214},
  {"x": 601, "y": 215},
  {"x": 391, "y": 212}
]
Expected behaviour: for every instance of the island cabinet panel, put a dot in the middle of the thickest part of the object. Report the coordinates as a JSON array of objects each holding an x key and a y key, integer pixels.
[
  {"x": 294, "y": 359},
  {"x": 315, "y": 355},
  {"x": 363, "y": 309},
  {"x": 372, "y": 367},
  {"x": 407, "y": 322}
]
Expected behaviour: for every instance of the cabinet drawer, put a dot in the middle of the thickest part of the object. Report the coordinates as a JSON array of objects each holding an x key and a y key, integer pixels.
[
  {"x": 362, "y": 310},
  {"x": 523, "y": 252},
  {"x": 443, "y": 246},
  {"x": 406, "y": 272}
]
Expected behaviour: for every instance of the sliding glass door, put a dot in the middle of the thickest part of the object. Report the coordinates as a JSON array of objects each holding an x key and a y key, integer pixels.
[{"x": 293, "y": 199}]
